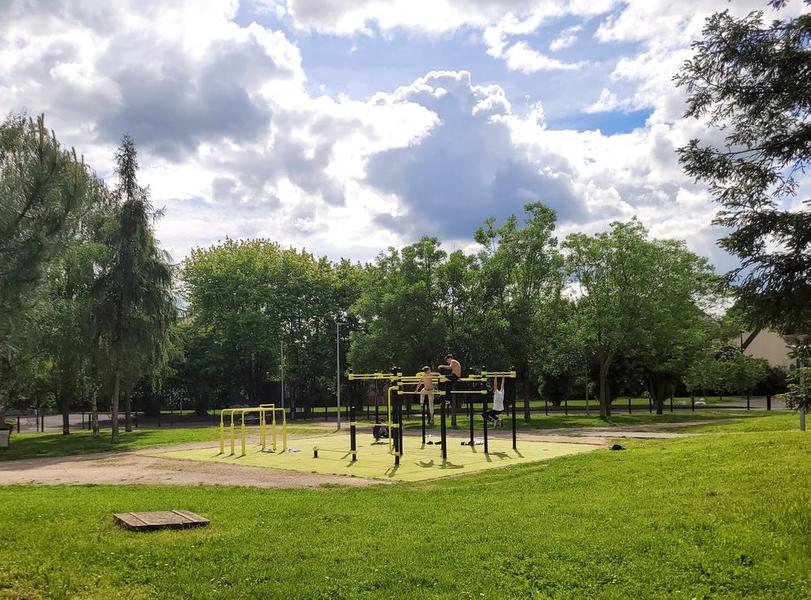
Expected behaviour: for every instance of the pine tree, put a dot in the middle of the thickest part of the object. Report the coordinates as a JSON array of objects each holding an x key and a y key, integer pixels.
[
  {"x": 752, "y": 81},
  {"x": 134, "y": 302}
]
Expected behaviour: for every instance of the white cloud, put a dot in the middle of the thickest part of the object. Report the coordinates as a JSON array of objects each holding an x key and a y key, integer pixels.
[
  {"x": 609, "y": 102},
  {"x": 566, "y": 38},
  {"x": 521, "y": 57},
  {"x": 235, "y": 143}
]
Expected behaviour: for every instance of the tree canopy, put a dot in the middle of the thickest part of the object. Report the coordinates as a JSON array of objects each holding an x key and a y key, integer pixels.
[{"x": 751, "y": 81}]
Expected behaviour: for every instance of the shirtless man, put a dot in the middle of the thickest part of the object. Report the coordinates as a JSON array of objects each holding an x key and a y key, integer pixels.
[
  {"x": 426, "y": 386},
  {"x": 454, "y": 369}
]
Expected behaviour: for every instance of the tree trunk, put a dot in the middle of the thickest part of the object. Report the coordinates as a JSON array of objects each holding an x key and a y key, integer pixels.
[
  {"x": 94, "y": 414},
  {"x": 657, "y": 385},
  {"x": 114, "y": 406},
  {"x": 127, "y": 413},
  {"x": 65, "y": 414},
  {"x": 605, "y": 398}
]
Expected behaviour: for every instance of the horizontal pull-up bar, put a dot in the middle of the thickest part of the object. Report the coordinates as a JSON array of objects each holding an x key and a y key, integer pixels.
[
  {"x": 469, "y": 392},
  {"x": 507, "y": 374}
]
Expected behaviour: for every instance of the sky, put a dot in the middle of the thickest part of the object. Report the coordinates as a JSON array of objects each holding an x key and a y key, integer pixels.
[{"x": 347, "y": 126}]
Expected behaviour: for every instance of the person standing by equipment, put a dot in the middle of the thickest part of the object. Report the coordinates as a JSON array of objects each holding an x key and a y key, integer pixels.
[{"x": 427, "y": 389}]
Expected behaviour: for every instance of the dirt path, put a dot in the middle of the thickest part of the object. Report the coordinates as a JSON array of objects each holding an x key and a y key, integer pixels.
[
  {"x": 124, "y": 468},
  {"x": 138, "y": 467}
]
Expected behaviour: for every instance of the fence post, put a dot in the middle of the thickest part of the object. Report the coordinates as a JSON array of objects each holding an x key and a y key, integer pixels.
[
  {"x": 693, "y": 401},
  {"x": 747, "y": 401},
  {"x": 768, "y": 401},
  {"x": 650, "y": 405},
  {"x": 18, "y": 423}
]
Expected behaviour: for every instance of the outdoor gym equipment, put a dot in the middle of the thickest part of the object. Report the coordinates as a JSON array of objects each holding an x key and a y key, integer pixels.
[
  {"x": 262, "y": 411},
  {"x": 394, "y": 409}
]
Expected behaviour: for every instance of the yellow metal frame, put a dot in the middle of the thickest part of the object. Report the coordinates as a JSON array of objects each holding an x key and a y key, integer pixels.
[
  {"x": 398, "y": 379},
  {"x": 262, "y": 410}
]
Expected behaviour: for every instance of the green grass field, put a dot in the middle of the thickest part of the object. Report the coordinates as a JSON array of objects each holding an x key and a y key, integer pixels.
[
  {"x": 712, "y": 516},
  {"x": 33, "y": 445}
]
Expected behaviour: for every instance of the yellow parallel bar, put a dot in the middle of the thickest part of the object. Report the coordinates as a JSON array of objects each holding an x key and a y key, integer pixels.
[
  {"x": 469, "y": 392},
  {"x": 508, "y": 374},
  {"x": 222, "y": 432}
]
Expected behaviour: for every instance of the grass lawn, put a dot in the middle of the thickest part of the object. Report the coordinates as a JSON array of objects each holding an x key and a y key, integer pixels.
[
  {"x": 753, "y": 422},
  {"x": 558, "y": 421},
  {"x": 32, "y": 445},
  {"x": 702, "y": 517}
]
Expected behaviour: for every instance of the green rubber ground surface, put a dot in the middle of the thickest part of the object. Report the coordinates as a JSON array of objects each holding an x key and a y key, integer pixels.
[{"x": 418, "y": 463}]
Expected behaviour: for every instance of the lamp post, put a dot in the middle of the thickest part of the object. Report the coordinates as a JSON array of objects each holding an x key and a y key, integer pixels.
[
  {"x": 338, "y": 368},
  {"x": 281, "y": 348}
]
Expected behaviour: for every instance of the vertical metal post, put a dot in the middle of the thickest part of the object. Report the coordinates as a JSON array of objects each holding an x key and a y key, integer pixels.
[
  {"x": 281, "y": 349},
  {"x": 423, "y": 407},
  {"x": 671, "y": 402},
  {"x": 692, "y": 401},
  {"x": 650, "y": 405},
  {"x": 400, "y": 432},
  {"x": 546, "y": 407},
  {"x": 470, "y": 416},
  {"x": 484, "y": 418},
  {"x": 442, "y": 424},
  {"x": 587, "y": 387},
  {"x": 566, "y": 406},
  {"x": 353, "y": 399},
  {"x": 768, "y": 401},
  {"x": 629, "y": 405},
  {"x": 515, "y": 401},
  {"x": 747, "y": 401},
  {"x": 397, "y": 422},
  {"x": 338, "y": 368},
  {"x": 802, "y": 386}
]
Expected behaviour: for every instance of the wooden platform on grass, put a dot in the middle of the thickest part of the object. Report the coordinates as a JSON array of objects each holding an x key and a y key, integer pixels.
[{"x": 162, "y": 519}]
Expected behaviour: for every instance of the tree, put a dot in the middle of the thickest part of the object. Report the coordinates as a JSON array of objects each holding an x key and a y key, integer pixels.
[
  {"x": 247, "y": 300},
  {"x": 522, "y": 270},
  {"x": 400, "y": 309},
  {"x": 134, "y": 304},
  {"x": 637, "y": 298},
  {"x": 752, "y": 81},
  {"x": 798, "y": 395},
  {"x": 44, "y": 192},
  {"x": 677, "y": 323}
]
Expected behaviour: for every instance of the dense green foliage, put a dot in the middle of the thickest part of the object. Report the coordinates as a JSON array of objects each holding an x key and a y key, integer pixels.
[
  {"x": 641, "y": 299},
  {"x": 134, "y": 304},
  {"x": 87, "y": 293},
  {"x": 654, "y": 521},
  {"x": 47, "y": 200},
  {"x": 752, "y": 81},
  {"x": 249, "y": 302}
]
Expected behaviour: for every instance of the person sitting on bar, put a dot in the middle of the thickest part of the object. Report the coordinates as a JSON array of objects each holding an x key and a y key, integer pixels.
[
  {"x": 493, "y": 414},
  {"x": 427, "y": 389},
  {"x": 454, "y": 368}
]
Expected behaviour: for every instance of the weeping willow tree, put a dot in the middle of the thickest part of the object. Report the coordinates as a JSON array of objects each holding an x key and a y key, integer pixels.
[{"x": 133, "y": 294}]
